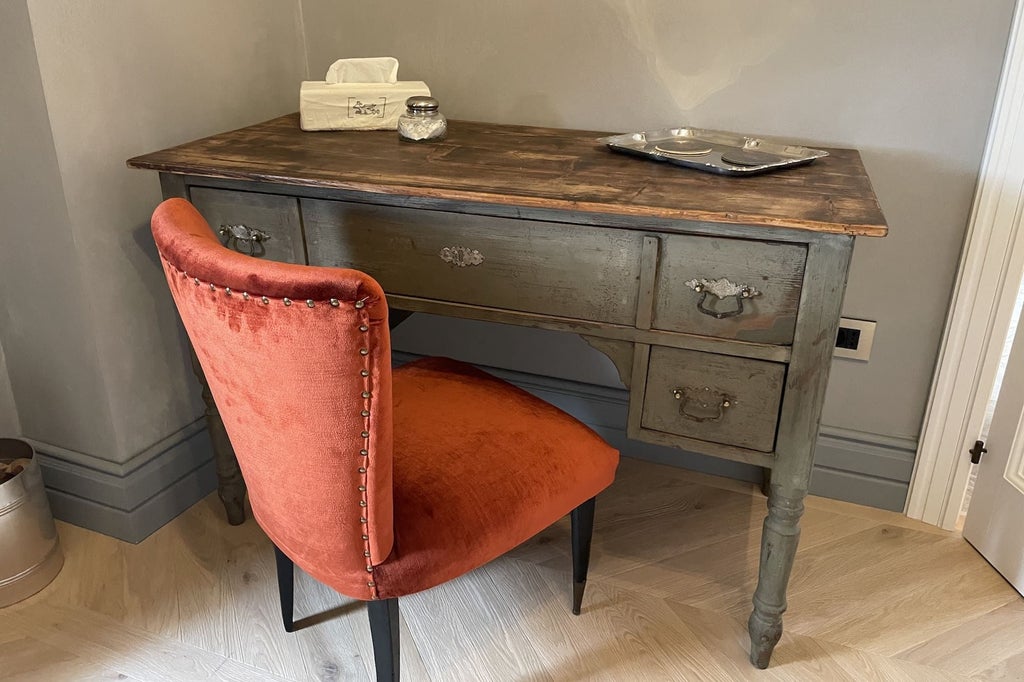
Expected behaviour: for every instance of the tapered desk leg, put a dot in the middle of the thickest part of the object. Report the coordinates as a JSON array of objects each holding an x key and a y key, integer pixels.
[
  {"x": 779, "y": 539},
  {"x": 230, "y": 485}
]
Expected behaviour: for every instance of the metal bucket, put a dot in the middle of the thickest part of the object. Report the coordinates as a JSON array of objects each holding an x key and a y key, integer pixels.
[{"x": 30, "y": 554}]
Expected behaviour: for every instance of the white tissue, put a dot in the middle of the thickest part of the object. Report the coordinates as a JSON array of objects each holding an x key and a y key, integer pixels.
[{"x": 363, "y": 70}]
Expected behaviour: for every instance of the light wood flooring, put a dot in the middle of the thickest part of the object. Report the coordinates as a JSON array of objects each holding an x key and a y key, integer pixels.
[{"x": 873, "y": 596}]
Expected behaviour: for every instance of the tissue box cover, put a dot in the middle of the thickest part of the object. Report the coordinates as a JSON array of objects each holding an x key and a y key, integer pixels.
[{"x": 355, "y": 106}]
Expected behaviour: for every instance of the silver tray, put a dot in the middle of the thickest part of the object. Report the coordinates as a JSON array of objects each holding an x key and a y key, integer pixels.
[{"x": 713, "y": 151}]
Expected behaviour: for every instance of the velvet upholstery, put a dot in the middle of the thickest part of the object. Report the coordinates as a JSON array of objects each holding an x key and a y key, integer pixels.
[
  {"x": 480, "y": 466},
  {"x": 378, "y": 483}
]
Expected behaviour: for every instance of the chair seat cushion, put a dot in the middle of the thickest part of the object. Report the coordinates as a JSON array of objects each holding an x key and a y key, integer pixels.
[{"x": 479, "y": 467}]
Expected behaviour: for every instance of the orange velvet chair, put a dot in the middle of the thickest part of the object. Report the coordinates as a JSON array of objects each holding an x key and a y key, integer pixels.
[{"x": 377, "y": 482}]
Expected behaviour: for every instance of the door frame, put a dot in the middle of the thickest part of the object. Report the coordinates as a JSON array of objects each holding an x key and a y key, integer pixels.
[{"x": 989, "y": 277}]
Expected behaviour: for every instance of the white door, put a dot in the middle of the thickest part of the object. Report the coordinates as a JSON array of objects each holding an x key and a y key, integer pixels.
[{"x": 995, "y": 517}]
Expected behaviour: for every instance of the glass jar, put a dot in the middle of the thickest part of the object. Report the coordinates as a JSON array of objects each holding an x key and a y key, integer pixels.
[{"x": 422, "y": 122}]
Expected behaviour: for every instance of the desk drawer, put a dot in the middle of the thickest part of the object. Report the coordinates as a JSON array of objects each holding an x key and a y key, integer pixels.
[
  {"x": 773, "y": 269},
  {"x": 716, "y": 398},
  {"x": 571, "y": 271},
  {"x": 272, "y": 215}
]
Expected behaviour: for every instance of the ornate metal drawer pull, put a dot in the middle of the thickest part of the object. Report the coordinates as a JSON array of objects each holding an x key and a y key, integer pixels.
[
  {"x": 461, "y": 256},
  {"x": 249, "y": 236},
  {"x": 702, "y": 404},
  {"x": 722, "y": 288}
]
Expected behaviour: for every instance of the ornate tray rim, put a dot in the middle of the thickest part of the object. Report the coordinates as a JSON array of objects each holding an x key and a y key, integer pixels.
[{"x": 641, "y": 144}]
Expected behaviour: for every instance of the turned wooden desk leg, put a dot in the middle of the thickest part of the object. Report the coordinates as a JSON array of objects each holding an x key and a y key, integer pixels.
[
  {"x": 828, "y": 261},
  {"x": 230, "y": 485},
  {"x": 779, "y": 539}
]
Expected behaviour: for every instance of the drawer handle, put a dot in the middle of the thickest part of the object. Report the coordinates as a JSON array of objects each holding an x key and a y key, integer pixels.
[
  {"x": 722, "y": 288},
  {"x": 249, "y": 236},
  {"x": 461, "y": 256},
  {"x": 702, "y": 404}
]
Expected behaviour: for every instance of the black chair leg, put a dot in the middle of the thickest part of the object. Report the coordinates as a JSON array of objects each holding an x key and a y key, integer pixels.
[
  {"x": 286, "y": 588},
  {"x": 582, "y": 520},
  {"x": 384, "y": 633}
]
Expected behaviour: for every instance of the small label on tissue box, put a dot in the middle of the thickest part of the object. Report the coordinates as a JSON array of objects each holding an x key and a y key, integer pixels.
[{"x": 355, "y": 106}]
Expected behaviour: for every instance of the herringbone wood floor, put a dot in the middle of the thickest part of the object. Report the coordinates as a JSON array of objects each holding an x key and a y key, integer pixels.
[{"x": 873, "y": 596}]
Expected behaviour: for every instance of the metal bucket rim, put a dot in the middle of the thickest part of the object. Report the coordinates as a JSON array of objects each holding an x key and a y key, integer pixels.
[{"x": 16, "y": 442}]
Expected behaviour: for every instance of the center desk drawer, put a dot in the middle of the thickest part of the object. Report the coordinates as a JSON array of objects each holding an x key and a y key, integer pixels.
[
  {"x": 575, "y": 271},
  {"x": 716, "y": 398}
]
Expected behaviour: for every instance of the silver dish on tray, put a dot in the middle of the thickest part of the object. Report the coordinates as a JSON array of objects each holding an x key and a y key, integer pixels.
[{"x": 713, "y": 151}]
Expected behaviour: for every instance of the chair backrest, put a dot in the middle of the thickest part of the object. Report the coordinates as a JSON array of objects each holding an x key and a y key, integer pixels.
[{"x": 298, "y": 360}]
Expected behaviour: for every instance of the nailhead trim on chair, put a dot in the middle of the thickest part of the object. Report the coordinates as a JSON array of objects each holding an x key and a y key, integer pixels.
[
  {"x": 367, "y": 394},
  {"x": 364, "y": 327}
]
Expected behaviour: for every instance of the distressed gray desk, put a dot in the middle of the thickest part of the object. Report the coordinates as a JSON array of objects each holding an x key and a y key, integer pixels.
[{"x": 717, "y": 298}]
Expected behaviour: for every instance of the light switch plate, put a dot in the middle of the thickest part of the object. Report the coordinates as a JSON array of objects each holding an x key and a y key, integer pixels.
[{"x": 864, "y": 331}]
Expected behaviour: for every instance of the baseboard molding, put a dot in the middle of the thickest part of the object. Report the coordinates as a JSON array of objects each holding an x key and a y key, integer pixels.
[
  {"x": 864, "y": 468},
  {"x": 130, "y": 501},
  {"x": 137, "y": 524}
]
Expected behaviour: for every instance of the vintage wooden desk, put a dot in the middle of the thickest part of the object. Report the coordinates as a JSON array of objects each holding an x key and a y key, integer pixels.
[{"x": 717, "y": 298}]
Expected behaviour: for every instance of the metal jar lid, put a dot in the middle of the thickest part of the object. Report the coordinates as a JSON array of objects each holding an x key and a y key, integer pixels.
[{"x": 422, "y": 104}]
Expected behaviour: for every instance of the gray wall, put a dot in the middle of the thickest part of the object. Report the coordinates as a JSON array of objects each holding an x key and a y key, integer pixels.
[
  {"x": 47, "y": 333},
  {"x": 9, "y": 425},
  {"x": 121, "y": 79},
  {"x": 96, "y": 364},
  {"x": 910, "y": 83}
]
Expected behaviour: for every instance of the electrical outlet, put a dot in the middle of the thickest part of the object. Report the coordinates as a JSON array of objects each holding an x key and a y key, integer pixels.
[{"x": 854, "y": 339}]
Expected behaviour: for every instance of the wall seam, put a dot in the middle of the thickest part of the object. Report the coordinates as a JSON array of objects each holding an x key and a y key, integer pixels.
[
  {"x": 302, "y": 35},
  {"x": 8, "y": 397}
]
